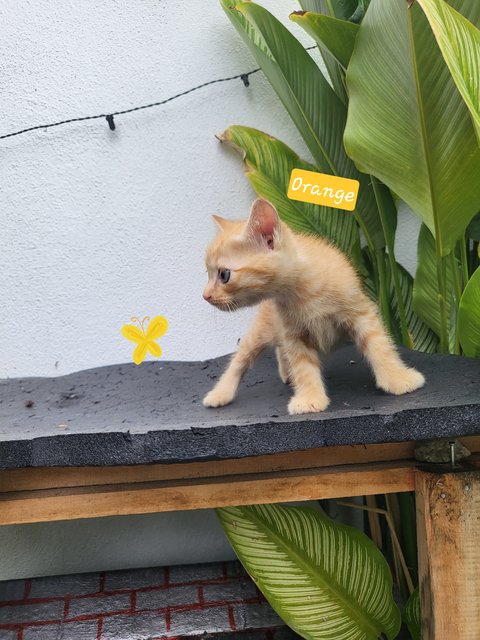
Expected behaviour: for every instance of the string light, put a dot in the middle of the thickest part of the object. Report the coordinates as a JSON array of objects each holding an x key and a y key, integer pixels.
[{"x": 109, "y": 117}]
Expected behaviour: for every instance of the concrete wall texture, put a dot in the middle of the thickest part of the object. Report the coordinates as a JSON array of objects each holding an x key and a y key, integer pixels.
[{"x": 97, "y": 226}]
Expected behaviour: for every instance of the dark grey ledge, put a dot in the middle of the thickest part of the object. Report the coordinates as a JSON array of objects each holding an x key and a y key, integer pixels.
[{"x": 124, "y": 414}]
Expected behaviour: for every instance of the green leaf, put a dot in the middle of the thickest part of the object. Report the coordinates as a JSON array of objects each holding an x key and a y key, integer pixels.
[
  {"x": 425, "y": 288},
  {"x": 422, "y": 338},
  {"x": 469, "y": 317},
  {"x": 334, "y": 35},
  {"x": 314, "y": 107},
  {"x": 360, "y": 11},
  {"x": 268, "y": 165},
  {"x": 327, "y": 581},
  {"x": 295, "y": 77},
  {"x": 407, "y": 124},
  {"x": 411, "y": 615},
  {"x": 341, "y": 9},
  {"x": 459, "y": 42},
  {"x": 336, "y": 73}
]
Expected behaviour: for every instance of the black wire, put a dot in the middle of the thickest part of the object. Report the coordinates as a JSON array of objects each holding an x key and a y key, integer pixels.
[
  {"x": 109, "y": 116},
  {"x": 184, "y": 93}
]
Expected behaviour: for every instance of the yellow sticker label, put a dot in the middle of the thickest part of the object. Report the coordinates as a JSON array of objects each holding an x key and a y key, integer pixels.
[
  {"x": 145, "y": 338},
  {"x": 322, "y": 188}
]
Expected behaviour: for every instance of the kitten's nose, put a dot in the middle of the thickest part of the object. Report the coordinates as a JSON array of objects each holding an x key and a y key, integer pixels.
[{"x": 207, "y": 296}]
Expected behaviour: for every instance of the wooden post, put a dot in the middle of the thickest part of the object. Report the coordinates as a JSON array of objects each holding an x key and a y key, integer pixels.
[{"x": 448, "y": 529}]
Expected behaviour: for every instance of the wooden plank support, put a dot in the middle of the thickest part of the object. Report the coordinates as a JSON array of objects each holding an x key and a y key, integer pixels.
[
  {"x": 33, "y": 478},
  {"x": 448, "y": 530},
  {"x": 70, "y": 503}
]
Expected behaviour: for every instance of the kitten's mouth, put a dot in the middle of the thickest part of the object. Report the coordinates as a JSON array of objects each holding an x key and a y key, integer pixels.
[{"x": 223, "y": 306}]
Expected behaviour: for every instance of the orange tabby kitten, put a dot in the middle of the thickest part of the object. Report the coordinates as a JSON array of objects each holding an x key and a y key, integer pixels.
[{"x": 309, "y": 295}]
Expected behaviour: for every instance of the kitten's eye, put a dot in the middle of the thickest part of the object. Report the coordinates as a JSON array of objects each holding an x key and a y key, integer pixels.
[{"x": 224, "y": 275}]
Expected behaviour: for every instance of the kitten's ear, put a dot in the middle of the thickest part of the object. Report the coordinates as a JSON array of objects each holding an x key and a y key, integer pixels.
[
  {"x": 263, "y": 225},
  {"x": 219, "y": 221},
  {"x": 222, "y": 223}
]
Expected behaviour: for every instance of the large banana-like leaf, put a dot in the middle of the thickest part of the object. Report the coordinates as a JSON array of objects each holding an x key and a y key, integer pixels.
[
  {"x": 469, "y": 317},
  {"x": 314, "y": 107},
  {"x": 411, "y": 615},
  {"x": 335, "y": 72},
  {"x": 327, "y": 581},
  {"x": 425, "y": 288},
  {"x": 459, "y": 42},
  {"x": 422, "y": 338},
  {"x": 268, "y": 165},
  {"x": 407, "y": 124},
  {"x": 360, "y": 11},
  {"x": 334, "y": 35},
  {"x": 342, "y": 9},
  {"x": 296, "y": 78}
]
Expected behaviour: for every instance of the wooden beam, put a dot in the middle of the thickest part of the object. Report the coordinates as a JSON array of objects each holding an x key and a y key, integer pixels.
[
  {"x": 448, "y": 529},
  {"x": 202, "y": 493},
  {"x": 56, "y": 477},
  {"x": 60, "y": 477}
]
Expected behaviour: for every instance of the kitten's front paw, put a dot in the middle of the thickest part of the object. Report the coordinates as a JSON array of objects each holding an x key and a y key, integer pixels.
[
  {"x": 404, "y": 381},
  {"x": 307, "y": 404},
  {"x": 218, "y": 397}
]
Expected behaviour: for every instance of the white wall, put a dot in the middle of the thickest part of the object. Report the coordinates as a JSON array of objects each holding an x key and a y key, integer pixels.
[
  {"x": 79, "y": 546},
  {"x": 97, "y": 226}
]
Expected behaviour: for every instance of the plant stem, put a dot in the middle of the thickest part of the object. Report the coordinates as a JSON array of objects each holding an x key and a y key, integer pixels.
[
  {"x": 330, "y": 8},
  {"x": 457, "y": 283},
  {"x": 383, "y": 297},
  {"x": 390, "y": 242},
  {"x": 464, "y": 259},
  {"x": 441, "y": 282},
  {"x": 391, "y": 503},
  {"x": 374, "y": 522},
  {"x": 473, "y": 253},
  {"x": 377, "y": 260},
  {"x": 406, "y": 503}
]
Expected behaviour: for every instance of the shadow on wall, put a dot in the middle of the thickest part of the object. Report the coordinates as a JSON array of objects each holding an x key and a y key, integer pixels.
[
  {"x": 123, "y": 542},
  {"x": 101, "y": 544}
]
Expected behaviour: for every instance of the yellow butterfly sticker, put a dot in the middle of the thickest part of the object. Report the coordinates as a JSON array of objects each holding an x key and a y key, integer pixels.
[{"x": 145, "y": 338}]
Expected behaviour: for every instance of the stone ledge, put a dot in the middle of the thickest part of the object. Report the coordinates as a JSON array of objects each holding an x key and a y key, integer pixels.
[{"x": 125, "y": 415}]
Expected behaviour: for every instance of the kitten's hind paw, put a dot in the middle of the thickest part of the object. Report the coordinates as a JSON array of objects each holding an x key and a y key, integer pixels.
[
  {"x": 307, "y": 404},
  {"x": 404, "y": 381},
  {"x": 218, "y": 397}
]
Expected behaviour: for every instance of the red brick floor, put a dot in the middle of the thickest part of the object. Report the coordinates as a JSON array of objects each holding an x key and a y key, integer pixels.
[{"x": 142, "y": 604}]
